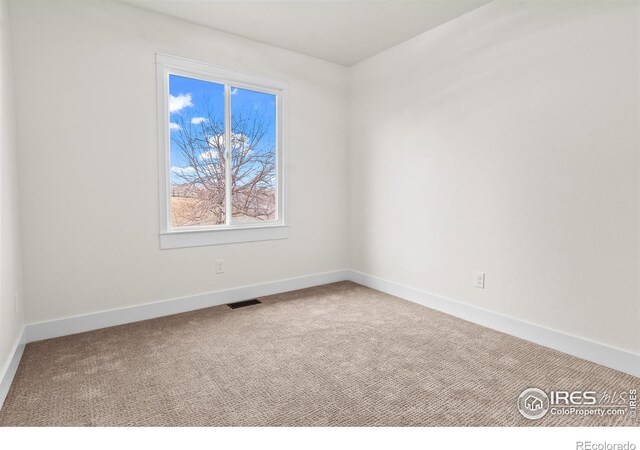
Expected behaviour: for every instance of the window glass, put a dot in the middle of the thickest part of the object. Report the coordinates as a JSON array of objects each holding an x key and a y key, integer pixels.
[
  {"x": 254, "y": 156},
  {"x": 197, "y": 130}
]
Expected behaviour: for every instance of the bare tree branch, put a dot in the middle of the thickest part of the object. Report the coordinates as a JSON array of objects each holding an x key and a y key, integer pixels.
[{"x": 198, "y": 195}]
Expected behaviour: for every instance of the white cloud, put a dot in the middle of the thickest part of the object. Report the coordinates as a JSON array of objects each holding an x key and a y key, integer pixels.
[
  {"x": 213, "y": 155},
  {"x": 174, "y": 126},
  {"x": 239, "y": 140},
  {"x": 176, "y": 103},
  {"x": 216, "y": 141},
  {"x": 198, "y": 120},
  {"x": 183, "y": 170}
]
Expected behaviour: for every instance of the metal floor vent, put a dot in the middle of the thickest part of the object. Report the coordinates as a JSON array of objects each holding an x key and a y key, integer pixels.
[{"x": 235, "y": 305}]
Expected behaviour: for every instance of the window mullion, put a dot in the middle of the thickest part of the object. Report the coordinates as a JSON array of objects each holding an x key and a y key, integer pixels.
[{"x": 228, "y": 158}]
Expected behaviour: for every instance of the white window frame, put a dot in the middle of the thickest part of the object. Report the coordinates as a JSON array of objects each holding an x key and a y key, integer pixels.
[{"x": 177, "y": 237}]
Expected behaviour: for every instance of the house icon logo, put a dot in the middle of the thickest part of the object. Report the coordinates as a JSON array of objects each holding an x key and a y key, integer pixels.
[{"x": 533, "y": 403}]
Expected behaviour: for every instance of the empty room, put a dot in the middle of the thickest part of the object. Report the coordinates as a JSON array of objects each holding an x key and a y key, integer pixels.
[{"x": 321, "y": 214}]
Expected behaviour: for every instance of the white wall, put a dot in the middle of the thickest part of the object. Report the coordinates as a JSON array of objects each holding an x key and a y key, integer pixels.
[
  {"x": 88, "y": 167},
  {"x": 506, "y": 141},
  {"x": 10, "y": 268}
]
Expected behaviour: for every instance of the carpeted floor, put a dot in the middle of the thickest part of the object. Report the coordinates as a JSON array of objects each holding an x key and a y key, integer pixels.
[{"x": 340, "y": 355}]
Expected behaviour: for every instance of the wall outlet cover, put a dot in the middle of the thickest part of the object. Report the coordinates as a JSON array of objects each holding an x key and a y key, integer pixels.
[{"x": 478, "y": 280}]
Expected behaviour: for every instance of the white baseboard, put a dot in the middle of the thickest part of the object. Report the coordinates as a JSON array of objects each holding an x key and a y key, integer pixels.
[
  {"x": 87, "y": 322},
  {"x": 608, "y": 356},
  {"x": 11, "y": 366}
]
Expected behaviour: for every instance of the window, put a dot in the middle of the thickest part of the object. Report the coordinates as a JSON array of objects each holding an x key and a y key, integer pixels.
[{"x": 212, "y": 192}]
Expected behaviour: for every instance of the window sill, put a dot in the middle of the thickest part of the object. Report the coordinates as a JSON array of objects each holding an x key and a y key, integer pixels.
[{"x": 199, "y": 238}]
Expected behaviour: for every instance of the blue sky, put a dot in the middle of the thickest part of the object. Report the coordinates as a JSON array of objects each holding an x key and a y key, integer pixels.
[{"x": 190, "y": 99}]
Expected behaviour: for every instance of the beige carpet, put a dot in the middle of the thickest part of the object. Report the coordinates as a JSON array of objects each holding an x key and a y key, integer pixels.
[{"x": 339, "y": 354}]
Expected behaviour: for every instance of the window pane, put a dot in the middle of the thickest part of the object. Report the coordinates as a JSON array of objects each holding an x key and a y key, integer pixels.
[
  {"x": 253, "y": 169},
  {"x": 196, "y": 126}
]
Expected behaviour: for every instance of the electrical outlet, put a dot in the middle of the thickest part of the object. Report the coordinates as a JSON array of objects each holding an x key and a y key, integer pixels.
[
  {"x": 478, "y": 280},
  {"x": 219, "y": 265}
]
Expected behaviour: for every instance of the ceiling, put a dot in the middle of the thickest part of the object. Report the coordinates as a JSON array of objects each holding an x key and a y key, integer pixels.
[{"x": 344, "y": 32}]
